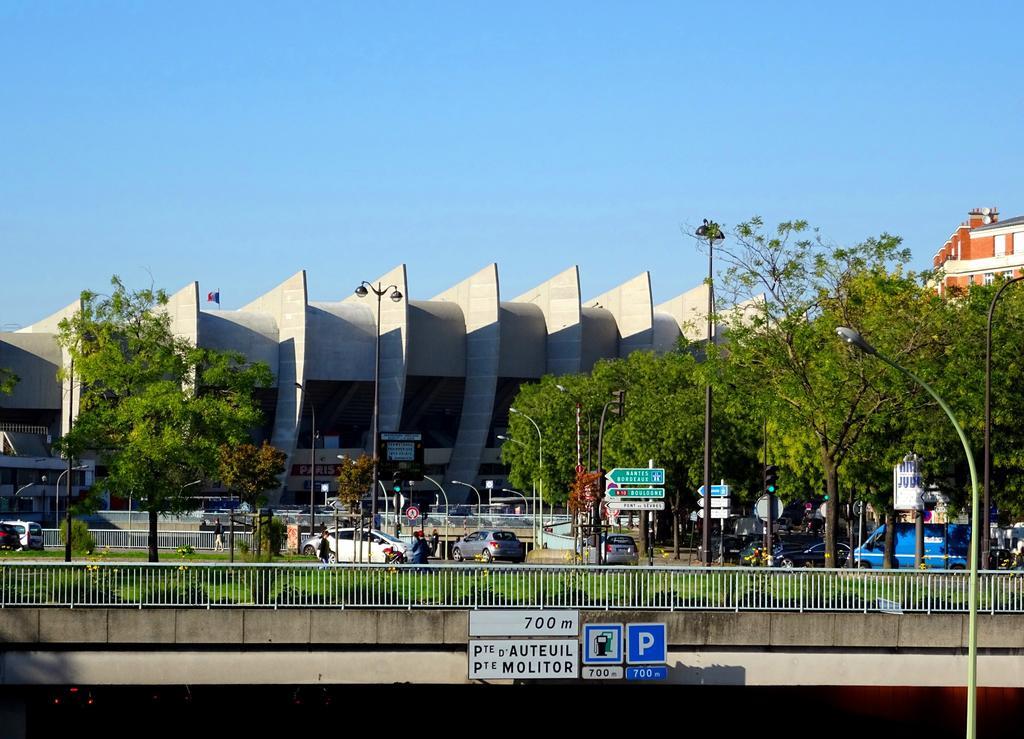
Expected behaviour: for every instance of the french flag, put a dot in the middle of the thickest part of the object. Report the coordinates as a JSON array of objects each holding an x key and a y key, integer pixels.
[{"x": 213, "y": 297}]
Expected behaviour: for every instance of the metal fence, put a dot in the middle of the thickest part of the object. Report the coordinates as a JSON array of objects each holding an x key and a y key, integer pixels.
[
  {"x": 188, "y": 585},
  {"x": 139, "y": 538}
]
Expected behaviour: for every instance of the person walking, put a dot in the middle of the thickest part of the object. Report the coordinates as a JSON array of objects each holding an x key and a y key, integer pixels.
[
  {"x": 435, "y": 543},
  {"x": 418, "y": 554},
  {"x": 324, "y": 549},
  {"x": 218, "y": 534}
]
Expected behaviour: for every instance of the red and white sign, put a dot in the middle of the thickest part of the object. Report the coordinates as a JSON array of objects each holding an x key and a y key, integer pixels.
[{"x": 412, "y": 512}]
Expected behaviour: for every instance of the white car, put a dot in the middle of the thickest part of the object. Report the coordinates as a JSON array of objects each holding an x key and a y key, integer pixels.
[
  {"x": 30, "y": 532},
  {"x": 375, "y": 545}
]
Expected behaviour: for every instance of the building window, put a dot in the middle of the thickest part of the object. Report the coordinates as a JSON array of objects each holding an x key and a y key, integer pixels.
[
  {"x": 1008, "y": 274},
  {"x": 1018, "y": 242},
  {"x": 1001, "y": 245},
  {"x": 989, "y": 278}
]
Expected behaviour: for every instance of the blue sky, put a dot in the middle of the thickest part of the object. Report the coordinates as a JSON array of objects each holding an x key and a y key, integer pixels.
[{"x": 237, "y": 143}]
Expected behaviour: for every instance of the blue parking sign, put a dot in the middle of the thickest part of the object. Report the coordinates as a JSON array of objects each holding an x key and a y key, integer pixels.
[{"x": 646, "y": 644}]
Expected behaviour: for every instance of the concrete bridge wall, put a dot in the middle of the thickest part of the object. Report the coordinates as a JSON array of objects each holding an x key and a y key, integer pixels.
[{"x": 331, "y": 646}]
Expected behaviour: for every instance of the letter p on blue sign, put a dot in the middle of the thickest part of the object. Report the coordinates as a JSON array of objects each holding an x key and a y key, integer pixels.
[{"x": 646, "y": 644}]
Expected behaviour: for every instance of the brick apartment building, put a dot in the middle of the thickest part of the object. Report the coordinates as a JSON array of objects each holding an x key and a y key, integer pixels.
[{"x": 981, "y": 248}]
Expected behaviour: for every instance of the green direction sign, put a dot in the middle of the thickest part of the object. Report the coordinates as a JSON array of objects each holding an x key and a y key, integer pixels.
[
  {"x": 636, "y": 492},
  {"x": 637, "y": 476}
]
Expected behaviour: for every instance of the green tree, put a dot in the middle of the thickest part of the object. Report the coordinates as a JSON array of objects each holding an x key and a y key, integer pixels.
[
  {"x": 154, "y": 408},
  {"x": 250, "y": 470},
  {"x": 7, "y": 381},
  {"x": 355, "y": 478},
  {"x": 664, "y": 421},
  {"x": 784, "y": 357}
]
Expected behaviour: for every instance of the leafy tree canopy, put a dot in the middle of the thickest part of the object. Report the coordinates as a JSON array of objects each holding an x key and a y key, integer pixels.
[{"x": 154, "y": 408}]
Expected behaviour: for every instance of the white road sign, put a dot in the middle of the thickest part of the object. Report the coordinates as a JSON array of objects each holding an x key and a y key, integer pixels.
[
  {"x": 524, "y": 623},
  {"x": 715, "y": 502},
  {"x": 616, "y": 504},
  {"x": 715, "y": 513},
  {"x": 523, "y": 659}
]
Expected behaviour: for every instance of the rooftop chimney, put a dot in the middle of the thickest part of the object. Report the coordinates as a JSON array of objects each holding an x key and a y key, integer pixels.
[{"x": 982, "y": 217}]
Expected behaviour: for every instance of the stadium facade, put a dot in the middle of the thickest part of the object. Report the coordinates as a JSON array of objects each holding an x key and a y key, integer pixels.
[{"x": 450, "y": 367}]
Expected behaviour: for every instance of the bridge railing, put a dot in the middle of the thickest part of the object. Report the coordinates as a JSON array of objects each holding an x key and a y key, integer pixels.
[
  {"x": 183, "y": 584},
  {"x": 139, "y": 538}
]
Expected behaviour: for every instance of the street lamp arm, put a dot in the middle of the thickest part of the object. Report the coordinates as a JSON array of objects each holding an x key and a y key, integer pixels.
[{"x": 852, "y": 337}]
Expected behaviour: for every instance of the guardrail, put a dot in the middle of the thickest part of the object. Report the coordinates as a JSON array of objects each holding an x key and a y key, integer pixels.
[
  {"x": 187, "y": 585},
  {"x": 139, "y": 538}
]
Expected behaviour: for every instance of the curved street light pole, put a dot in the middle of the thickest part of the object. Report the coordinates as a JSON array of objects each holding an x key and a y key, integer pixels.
[
  {"x": 987, "y": 503},
  {"x": 533, "y": 522},
  {"x": 446, "y": 512},
  {"x": 479, "y": 500},
  {"x": 540, "y": 477},
  {"x": 855, "y": 339},
  {"x": 364, "y": 289}
]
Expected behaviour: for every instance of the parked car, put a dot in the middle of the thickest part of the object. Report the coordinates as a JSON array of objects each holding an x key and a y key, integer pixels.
[
  {"x": 489, "y": 545},
  {"x": 29, "y": 532},
  {"x": 9, "y": 537},
  {"x": 812, "y": 556},
  {"x": 617, "y": 549},
  {"x": 376, "y": 546}
]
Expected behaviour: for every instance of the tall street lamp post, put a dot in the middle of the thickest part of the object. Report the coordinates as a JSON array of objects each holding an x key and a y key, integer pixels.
[
  {"x": 540, "y": 476},
  {"x": 364, "y": 289},
  {"x": 67, "y": 503},
  {"x": 312, "y": 460},
  {"x": 985, "y": 532},
  {"x": 709, "y": 230},
  {"x": 855, "y": 339}
]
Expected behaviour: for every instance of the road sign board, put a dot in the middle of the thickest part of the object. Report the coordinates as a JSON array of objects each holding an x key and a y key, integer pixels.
[
  {"x": 637, "y": 476},
  {"x": 715, "y": 513},
  {"x": 647, "y": 673},
  {"x": 635, "y": 492},
  {"x": 534, "y": 659},
  {"x": 715, "y": 502},
  {"x": 602, "y": 644},
  {"x": 761, "y": 508},
  {"x": 609, "y": 672},
  {"x": 717, "y": 491},
  {"x": 412, "y": 512},
  {"x": 524, "y": 623},
  {"x": 646, "y": 644},
  {"x": 617, "y": 504}
]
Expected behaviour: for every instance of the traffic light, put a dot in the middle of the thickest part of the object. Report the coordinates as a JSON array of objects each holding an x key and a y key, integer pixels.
[
  {"x": 771, "y": 478},
  {"x": 619, "y": 403},
  {"x": 396, "y": 483}
]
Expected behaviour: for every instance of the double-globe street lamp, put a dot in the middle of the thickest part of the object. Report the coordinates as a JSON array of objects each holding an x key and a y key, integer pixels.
[
  {"x": 713, "y": 233},
  {"x": 855, "y": 339},
  {"x": 986, "y": 507},
  {"x": 540, "y": 476},
  {"x": 364, "y": 289}
]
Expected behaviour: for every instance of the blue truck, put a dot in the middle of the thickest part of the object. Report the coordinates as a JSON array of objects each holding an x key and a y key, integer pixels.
[{"x": 946, "y": 546}]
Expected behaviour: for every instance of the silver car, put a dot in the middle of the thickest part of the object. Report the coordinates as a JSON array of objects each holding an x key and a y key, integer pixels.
[
  {"x": 617, "y": 549},
  {"x": 489, "y": 545}
]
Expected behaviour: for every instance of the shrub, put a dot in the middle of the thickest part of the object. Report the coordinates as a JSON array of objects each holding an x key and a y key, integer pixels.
[{"x": 81, "y": 538}]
